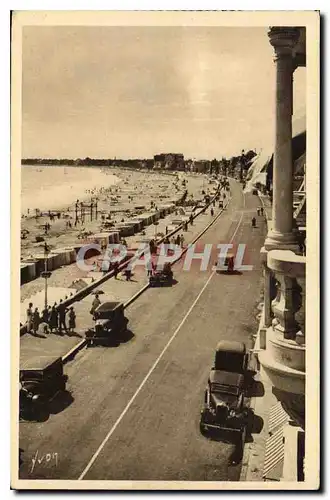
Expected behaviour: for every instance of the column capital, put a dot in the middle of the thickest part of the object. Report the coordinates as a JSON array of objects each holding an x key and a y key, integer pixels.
[{"x": 283, "y": 39}]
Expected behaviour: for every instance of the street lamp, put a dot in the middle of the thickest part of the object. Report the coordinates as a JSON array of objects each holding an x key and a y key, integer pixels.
[
  {"x": 156, "y": 224},
  {"x": 46, "y": 274}
]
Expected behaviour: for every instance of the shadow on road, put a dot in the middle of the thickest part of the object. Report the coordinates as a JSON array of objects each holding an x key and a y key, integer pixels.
[
  {"x": 62, "y": 401},
  {"x": 235, "y": 272},
  {"x": 113, "y": 340},
  {"x": 254, "y": 425},
  {"x": 256, "y": 390},
  {"x": 42, "y": 412}
]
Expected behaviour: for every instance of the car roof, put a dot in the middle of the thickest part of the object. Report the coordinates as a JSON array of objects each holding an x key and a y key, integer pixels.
[
  {"x": 108, "y": 306},
  {"x": 231, "y": 346}
]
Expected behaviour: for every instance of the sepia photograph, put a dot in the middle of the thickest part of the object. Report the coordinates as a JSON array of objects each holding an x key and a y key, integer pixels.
[{"x": 165, "y": 250}]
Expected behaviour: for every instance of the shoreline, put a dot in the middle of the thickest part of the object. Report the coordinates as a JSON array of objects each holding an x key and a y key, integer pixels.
[{"x": 83, "y": 193}]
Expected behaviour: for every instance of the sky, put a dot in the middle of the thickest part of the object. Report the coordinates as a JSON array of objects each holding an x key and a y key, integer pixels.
[{"x": 132, "y": 92}]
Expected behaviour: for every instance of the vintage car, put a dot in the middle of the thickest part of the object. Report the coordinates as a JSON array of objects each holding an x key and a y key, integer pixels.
[
  {"x": 228, "y": 265},
  {"x": 41, "y": 379},
  {"x": 224, "y": 408},
  {"x": 110, "y": 323},
  {"x": 163, "y": 277}
]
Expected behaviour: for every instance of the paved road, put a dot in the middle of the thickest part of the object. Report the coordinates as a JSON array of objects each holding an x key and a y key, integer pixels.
[{"x": 135, "y": 408}]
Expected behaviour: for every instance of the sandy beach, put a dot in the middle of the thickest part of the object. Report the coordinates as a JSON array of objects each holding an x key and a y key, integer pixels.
[
  {"x": 133, "y": 191},
  {"x": 115, "y": 202}
]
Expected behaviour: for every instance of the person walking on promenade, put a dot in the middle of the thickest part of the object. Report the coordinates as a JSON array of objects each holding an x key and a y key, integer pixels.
[
  {"x": 72, "y": 319},
  {"x": 149, "y": 268},
  {"x": 128, "y": 273},
  {"x": 181, "y": 240},
  {"x": 53, "y": 319},
  {"x": 116, "y": 269},
  {"x": 44, "y": 315},
  {"x": 36, "y": 320},
  {"x": 95, "y": 304},
  {"x": 261, "y": 211},
  {"x": 212, "y": 212},
  {"x": 29, "y": 318},
  {"x": 61, "y": 317}
]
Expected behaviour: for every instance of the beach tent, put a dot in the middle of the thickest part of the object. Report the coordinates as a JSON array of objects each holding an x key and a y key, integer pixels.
[{"x": 28, "y": 272}]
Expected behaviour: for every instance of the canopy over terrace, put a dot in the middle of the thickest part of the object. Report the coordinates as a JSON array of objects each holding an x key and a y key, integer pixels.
[{"x": 258, "y": 170}]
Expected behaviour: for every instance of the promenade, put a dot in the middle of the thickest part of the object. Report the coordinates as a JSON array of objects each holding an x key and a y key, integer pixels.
[
  {"x": 133, "y": 411},
  {"x": 113, "y": 289}
]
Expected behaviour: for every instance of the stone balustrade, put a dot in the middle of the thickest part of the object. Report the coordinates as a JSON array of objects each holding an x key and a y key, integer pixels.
[{"x": 283, "y": 359}]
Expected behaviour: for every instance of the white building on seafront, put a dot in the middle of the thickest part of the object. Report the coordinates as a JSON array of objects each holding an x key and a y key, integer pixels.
[{"x": 281, "y": 344}]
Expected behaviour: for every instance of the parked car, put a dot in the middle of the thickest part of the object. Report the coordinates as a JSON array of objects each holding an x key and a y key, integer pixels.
[
  {"x": 41, "y": 379},
  {"x": 110, "y": 323},
  {"x": 224, "y": 407}
]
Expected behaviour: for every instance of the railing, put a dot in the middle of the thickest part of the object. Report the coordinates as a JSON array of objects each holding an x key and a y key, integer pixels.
[
  {"x": 282, "y": 351},
  {"x": 288, "y": 307}
]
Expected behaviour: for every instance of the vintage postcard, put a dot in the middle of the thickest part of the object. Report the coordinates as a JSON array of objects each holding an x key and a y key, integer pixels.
[{"x": 165, "y": 258}]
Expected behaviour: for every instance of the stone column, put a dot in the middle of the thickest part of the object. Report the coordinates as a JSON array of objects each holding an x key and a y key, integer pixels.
[
  {"x": 268, "y": 316},
  {"x": 283, "y": 39}
]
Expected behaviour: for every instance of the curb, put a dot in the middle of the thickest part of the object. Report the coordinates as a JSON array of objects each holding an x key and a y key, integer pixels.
[
  {"x": 71, "y": 354},
  {"x": 75, "y": 349},
  {"x": 249, "y": 446}
]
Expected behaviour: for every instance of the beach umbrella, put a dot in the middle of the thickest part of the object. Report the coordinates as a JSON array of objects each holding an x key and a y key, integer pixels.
[{"x": 98, "y": 292}]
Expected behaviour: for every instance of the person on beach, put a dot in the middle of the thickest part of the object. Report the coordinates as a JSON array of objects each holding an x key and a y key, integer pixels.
[
  {"x": 72, "y": 320},
  {"x": 61, "y": 317},
  {"x": 36, "y": 320},
  {"x": 29, "y": 318},
  {"x": 53, "y": 319}
]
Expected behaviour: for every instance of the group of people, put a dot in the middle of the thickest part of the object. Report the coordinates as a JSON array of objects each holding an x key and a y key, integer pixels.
[
  {"x": 52, "y": 318},
  {"x": 175, "y": 240},
  {"x": 260, "y": 211}
]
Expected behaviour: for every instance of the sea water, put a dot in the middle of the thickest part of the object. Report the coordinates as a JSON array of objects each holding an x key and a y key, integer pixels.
[{"x": 49, "y": 188}]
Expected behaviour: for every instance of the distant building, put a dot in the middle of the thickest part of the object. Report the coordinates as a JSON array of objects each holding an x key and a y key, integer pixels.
[
  {"x": 169, "y": 161},
  {"x": 201, "y": 166}
]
